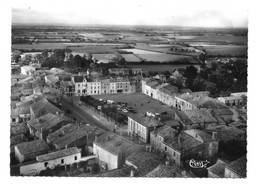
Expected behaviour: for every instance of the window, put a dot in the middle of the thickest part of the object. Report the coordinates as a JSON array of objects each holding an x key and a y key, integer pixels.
[
  {"x": 165, "y": 148},
  {"x": 174, "y": 153},
  {"x": 75, "y": 158},
  {"x": 78, "y": 85},
  {"x": 13, "y": 119},
  {"x": 45, "y": 164},
  {"x": 62, "y": 161}
]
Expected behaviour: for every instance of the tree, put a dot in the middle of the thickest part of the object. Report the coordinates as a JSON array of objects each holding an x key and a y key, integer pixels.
[
  {"x": 16, "y": 56},
  {"x": 190, "y": 73},
  {"x": 45, "y": 54}
]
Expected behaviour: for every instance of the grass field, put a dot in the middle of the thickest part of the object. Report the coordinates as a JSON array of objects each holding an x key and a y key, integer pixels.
[
  {"x": 159, "y": 68},
  {"x": 131, "y": 58},
  {"x": 75, "y": 47},
  {"x": 234, "y": 50}
]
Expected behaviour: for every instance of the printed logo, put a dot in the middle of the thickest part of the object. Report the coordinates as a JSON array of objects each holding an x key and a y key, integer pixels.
[{"x": 198, "y": 164}]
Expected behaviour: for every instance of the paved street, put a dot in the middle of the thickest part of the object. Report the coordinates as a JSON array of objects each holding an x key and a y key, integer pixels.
[{"x": 78, "y": 112}]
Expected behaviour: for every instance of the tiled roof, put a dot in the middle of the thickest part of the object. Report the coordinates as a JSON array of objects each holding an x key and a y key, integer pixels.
[
  {"x": 122, "y": 172},
  {"x": 68, "y": 83},
  {"x": 43, "y": 107},
  {"x": 19, "y": 128},
  {"x": 47, "y": 121},
  {"x": 239, "y": 166},
  {"x": 53, "y": 137},
  {"x": 204, "y": 136},
  {"x": 169, "y": 89},
  {"x": 192, "y": 95},
  {"x": 145, "y": 120},
  {"x": 183, "y": 117},
  {"x": 165, "y": 171},
  {"x": 182, "y": 142},
  {"x": 214, "y": 104},
  {"x": 144, "y": 161},
  {"x": 32, "y": 147},
  {"x": 164, "y": 131},
  {"x": 78, "y": 79},
  {"x": 58, "y": 154},
  {"x": 18, "y": 139},
  {"x": 116, "y": 144},
  {"x": 228, "y": 133},
  {"x": 200, "y": 116},
  {"x": 152, "y": 83},
  {"x": 218, "y": 168},
  {"x": 69, "y": 138}
]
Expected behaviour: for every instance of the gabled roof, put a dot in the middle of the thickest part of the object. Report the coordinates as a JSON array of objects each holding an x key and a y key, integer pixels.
[
  {"x": 183, "y": 117},
  {"x": 58, "y": 154},
  {"x": 68, "y": 83},
  {"x": 239, "y": 166},
  {"x": 204, "y": 136},
  {"x": 78, "y": 79},
  {"x": 32, "y": 147},
  {"x": 18, "y": 139},
  {"x": 53, "y": 137},
  {"x": 144, "y": 162},
  {"x": 164, "y": 131},
  {"x": 47, "y": 121},
  {"x": 43, "y": 107},
  {"x": 200, "y": 116},
  {"x": 69, "y": 138},
  {"x": 165, "y": 171},
  {"x": 183, "y": 142}
]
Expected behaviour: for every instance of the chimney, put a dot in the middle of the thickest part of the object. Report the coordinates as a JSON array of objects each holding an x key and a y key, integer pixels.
[
  {"x": 179, "y": 139},
  {"x": 132, "y": 173},
  {"x": 214, "y": 135}
]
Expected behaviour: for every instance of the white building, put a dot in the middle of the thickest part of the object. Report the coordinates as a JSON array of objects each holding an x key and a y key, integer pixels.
[
  {"x": 27, "y": 70},
  {"x": 232, "y": 100},
  {"x": 51, "y": 160},
  {"x": 80, "y": 85}
]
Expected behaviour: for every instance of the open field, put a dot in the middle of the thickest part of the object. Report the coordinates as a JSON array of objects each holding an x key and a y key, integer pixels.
[
  {"x": 131, "y": 58},
  {"x": 159, "y": 68},
  {"x": 234, "y": 50},
  {"x": 160, "y": 57},
  {"x": 75, "y": 47}
]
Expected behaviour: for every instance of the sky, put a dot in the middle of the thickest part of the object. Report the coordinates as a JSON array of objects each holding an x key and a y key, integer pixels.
[{"x": 199, "y": 13}]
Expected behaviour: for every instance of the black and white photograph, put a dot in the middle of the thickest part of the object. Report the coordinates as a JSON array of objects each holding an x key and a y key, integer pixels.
[{"x": 128, "y": 89}]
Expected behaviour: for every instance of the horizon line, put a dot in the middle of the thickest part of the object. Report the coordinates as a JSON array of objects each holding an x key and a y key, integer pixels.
[{"x": 122, "y": 25}]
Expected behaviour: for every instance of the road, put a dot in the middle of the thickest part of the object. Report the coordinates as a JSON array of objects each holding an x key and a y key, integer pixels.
[{"x": 78, "y": 112}]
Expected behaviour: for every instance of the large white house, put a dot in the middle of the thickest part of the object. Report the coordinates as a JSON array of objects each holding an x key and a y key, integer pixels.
[{"x": 80, "y": 85}]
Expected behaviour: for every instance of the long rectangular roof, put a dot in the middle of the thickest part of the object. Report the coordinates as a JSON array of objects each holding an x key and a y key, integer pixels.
[
  {"x": 32, "y": 147},
  {"x": 58, "y": 154}
]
